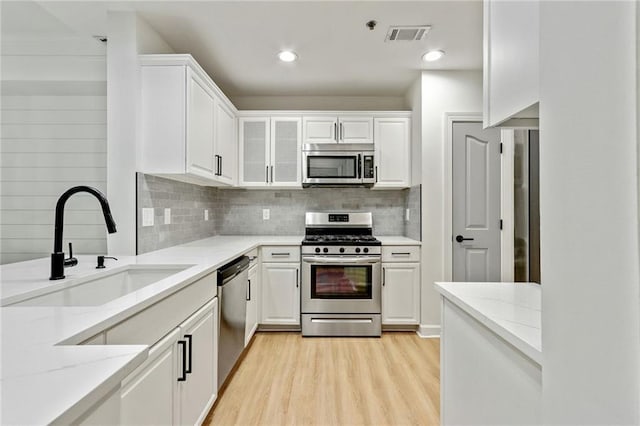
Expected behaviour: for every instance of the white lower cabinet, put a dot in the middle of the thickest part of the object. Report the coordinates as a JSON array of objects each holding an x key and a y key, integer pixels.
[
  {"x": 147, "y": 395},
  {"x": 198, "y": 390},
  {"x": 401, "y": 293},
  {"x": 105, "y": 412},
  {"x": 177, "y": 384},
  {"x": 280, "y": 293},
  {"x": 400, "y": 285}
]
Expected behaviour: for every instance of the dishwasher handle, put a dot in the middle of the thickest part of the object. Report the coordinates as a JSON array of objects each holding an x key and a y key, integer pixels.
[{"x": 232, "y": 269}]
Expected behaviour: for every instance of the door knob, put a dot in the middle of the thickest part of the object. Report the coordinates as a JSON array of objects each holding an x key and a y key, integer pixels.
[{"x": 460, "y": 238}]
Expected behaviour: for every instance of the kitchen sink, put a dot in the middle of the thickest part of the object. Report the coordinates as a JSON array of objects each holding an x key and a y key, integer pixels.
[{"x": 106, "y": 287}]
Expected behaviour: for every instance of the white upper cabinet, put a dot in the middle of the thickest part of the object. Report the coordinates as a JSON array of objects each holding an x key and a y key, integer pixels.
[
  {"x": 254, "y": 148},
  {"x": 225, "y": 143},
  {"x": 511, "y": 60},
  {"x": 320, "y": 129},
  {"x": 355, "y": 129},
  {"x": 285, "y": 151},
  {"x": 392, "y": 156},
  {"x": 337, "y": 129},
  {"x": 188, "y": 126},
  {"x": 270, "y": 152},
  {"x": 200, "y": 127}
]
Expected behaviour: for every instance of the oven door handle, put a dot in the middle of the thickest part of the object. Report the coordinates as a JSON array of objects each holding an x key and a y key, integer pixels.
[{"x": 341, "y": 260}]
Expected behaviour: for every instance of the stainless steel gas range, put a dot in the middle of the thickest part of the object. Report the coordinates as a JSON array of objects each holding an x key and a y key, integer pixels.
[{"x": 341, "y": 283}]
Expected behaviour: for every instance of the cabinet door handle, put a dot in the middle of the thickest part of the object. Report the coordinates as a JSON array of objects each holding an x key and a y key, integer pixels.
[
  {"x": 297, "y": 274},
  {"x": 335, "y": 131},
  {"x": 341, "y": 132},
  {"x": 220, "y": 172},
  {"x": 376, "y": 174},
  {"x": 266, "y": 175},
  {"x": 271, "y": 174},
  {"x": 189, "y": 337},
  {"x": 183, "y": 377},
  {"x": 249, "y": 291},
  {"x": 384, "y": 270}
]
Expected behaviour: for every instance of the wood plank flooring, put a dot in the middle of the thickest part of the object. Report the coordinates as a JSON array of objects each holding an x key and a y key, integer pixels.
[{"x": 286, "y": 379}]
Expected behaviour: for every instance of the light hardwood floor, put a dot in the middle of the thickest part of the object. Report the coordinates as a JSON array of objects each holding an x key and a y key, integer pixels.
[{"x": 286, "y": 379}]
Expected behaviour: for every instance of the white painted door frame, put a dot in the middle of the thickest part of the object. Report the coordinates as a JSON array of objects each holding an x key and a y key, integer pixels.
[{"x": 506, "y": 196}]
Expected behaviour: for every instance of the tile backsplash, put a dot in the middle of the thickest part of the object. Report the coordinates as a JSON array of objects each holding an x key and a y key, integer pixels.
[
  {"x": 240, "y": 212},
  {"x": 187, "y": 203}
]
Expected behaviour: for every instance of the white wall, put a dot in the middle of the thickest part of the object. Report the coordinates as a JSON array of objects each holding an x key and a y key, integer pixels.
[
  {"x": 414, "y": 101},
  {"x": 442, "y": 92},
  {"x": 588, "y": 213},
  {"x": 53, "y": 137},
  {"x": 332, "y": 103},
  {"x": 128, "y": 37}
]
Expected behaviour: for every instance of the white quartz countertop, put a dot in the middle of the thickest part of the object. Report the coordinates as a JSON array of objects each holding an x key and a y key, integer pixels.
[
  {"x": 397, "y": 241},
  {"x": 511, "y": 310},
  {"x": 45, "y": 377}
]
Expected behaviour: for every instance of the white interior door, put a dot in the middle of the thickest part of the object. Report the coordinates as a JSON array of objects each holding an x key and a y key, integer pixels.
[{"x": 476, "y": 202}]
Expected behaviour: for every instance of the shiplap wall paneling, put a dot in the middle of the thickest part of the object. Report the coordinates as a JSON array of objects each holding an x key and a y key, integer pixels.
[{"x": 49, "y": 144}]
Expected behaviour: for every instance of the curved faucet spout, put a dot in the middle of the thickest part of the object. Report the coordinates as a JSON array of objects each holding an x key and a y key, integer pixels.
[{"x": 57, "y": 257}]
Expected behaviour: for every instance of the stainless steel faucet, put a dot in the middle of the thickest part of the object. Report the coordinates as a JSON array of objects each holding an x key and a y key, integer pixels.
[{"x": 58, "y": 262}]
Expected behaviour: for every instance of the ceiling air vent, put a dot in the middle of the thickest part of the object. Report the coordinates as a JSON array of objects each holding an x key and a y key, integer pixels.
[{"x": 407, "y": 32}]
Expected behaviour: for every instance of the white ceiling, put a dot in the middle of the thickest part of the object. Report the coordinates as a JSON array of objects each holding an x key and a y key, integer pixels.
[{"x": 236, "y": 41}]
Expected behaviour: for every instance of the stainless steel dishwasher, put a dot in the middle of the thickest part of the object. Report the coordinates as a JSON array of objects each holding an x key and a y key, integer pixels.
[{"x": 232, "y": 292}]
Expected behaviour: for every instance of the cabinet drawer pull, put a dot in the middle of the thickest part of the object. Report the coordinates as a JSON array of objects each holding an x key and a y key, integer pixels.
[
  {"x": 189, "y": 338},
  {"x": 401, "y": 254},
  {"x": 280, "y": 254},
  {"x": 183, "y": 376}
]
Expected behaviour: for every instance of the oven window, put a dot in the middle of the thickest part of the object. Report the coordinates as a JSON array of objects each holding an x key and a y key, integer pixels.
[
  {"x": 341, "y": 282},
  {"x": 338, "y": 167}
]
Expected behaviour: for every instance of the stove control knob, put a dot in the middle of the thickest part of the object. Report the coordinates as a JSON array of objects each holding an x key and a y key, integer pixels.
[
  {"x": 341, "y": 249},
  {"x": 366, "y": 250},
  {"x": 317, "y": 249},
  {"x": 358, "y": 250},
  {"x": 326, "y": 250}
]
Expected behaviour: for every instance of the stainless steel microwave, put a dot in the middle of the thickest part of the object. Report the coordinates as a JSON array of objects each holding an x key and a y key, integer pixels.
[{"x": 338, "y": 165}]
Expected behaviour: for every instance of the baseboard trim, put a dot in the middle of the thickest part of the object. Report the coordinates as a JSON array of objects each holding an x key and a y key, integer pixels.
[{"x": 429, "y": 331}]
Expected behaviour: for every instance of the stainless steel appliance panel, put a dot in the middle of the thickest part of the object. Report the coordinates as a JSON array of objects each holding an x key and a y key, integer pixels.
[
  {"x": 355, "y": 302},
  {"x": 341, "y": 325},
  {"x": 233, "y": 314},
  {"x": 339, "y": 165}
]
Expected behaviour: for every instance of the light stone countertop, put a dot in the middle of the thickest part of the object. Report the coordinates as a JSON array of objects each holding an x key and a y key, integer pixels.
[
  {"x": 45, "y": 377},
  {"x": 510, "y": 310},
  {"x": 398, "y": 241}
]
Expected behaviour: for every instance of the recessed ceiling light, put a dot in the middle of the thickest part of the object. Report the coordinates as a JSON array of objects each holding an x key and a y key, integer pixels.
[
  {"x": 432, "y": 55},
  {"x": 287, "y": 56}
]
